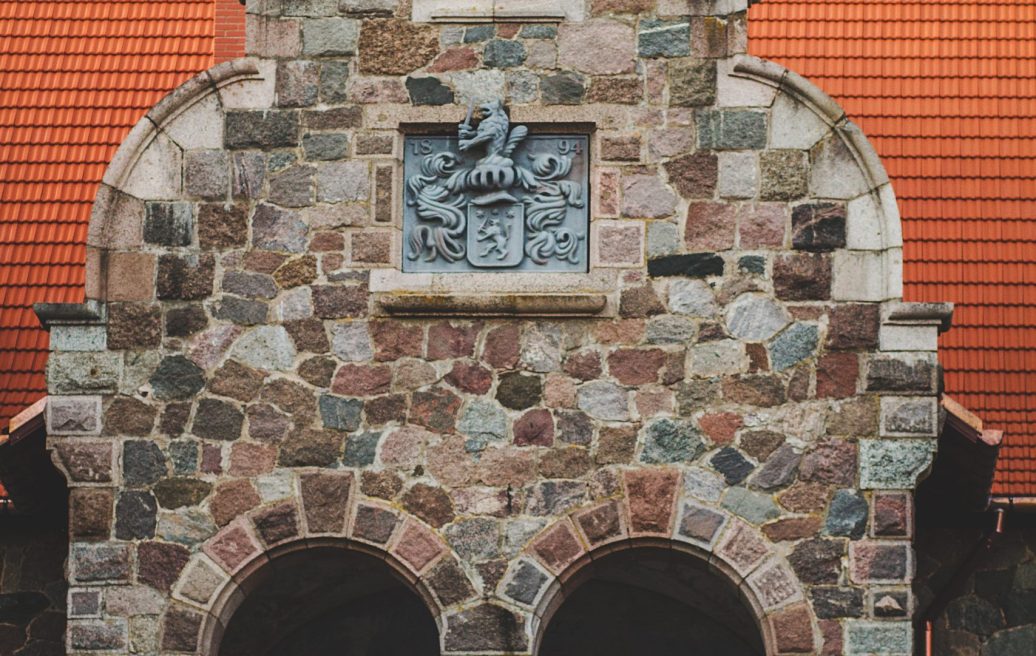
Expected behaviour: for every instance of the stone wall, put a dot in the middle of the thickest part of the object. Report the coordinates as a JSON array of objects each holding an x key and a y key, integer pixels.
[
  {"x": 993, "y": 613},
  {"x": 750, "y": 391},
  {"x": 32, "y": 585}
]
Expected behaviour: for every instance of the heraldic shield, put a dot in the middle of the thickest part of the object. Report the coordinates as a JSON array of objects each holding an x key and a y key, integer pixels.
[
  {"x": 496, "y": 234},
  {"x": 521, "y": 207}
]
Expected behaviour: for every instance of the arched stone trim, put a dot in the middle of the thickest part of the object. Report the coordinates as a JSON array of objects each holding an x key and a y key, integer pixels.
[
  {"x": 219, "y": 577},
  {"x": 874, "y": 228},
  {"x": 654, "y": 511},
  {"x": 191, "y": 116}
]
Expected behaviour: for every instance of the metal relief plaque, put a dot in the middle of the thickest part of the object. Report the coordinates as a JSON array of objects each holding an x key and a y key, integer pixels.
[{"x": 495, "y": 199}]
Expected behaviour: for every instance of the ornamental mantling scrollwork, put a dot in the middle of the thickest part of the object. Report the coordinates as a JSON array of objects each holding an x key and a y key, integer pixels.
[{"x": 520, "y": 200}]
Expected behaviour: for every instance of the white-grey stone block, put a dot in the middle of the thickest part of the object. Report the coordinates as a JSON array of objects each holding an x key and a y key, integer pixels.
[
  {"x": 909, "y": 337},
  {"x": 909, "y": 416},
  {"x": 78, "y": 338},
  {"x": 738, "y": 175},
  {"x": 73, "y": 415}
]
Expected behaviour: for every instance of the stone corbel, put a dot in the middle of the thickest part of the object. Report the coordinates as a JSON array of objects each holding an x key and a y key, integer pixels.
[{"x": 914, "y": 326}]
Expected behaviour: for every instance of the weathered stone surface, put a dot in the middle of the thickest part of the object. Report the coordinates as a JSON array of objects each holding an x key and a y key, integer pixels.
[
  {"x": 485, "y": 628},
  {"x": 221, "y": 226},
  {"x": 890, "y": 374},
  {"x": 277, "y": 524},
  {"x": 698, "y": 265},
  {"x": 651, "y": 494},
  {"x": 261, "y": 129},
  {"x": 710, "y": 226},
  {"x": 525, "y": 583},
  {"x": 802, "y": 277},
  {"x": 645, "y": 196},
  {"x": 173, "y": 493},
  {"x": 818, "y": 227},
  {"x": 756, "y": 317},
  {"x": 483, "y": 421},
  {"x": 794, "y": 345},
  {"x": 136, "y": 516},
  {"x": 100, "y": 562},
  {"x": 519, "y": 391},
  {"x": 692, "y": 83},
  {"x": 232, "y": 499},
  {"x": 83, "y": 372},
  {"x": 129, "y": 416},
  {"x": 474, "y": 539},
  {"x": 396, "y": 47},
  {"x": 733, "y": 466},
  {"x": 431, "y": 504},
  {"x": 435, "y": 409},
  {"x": 640, "y": 301},
  {"x": 217, "y": 420},
  {"x": 664, "y": 38},
  {"x": 731, "y": 129},
  {"x": 428, "y": 91},
  {"x": 884, "y": 638},
  {"x": 785, "y": 175},
  {"x": 894, "y": 464},
  {"x": 311, "y": 448},
  {"x": 534, "y": 428},
  {"x": 168, "y": 224},
  {"x": 694, "y": 175},
  {"x": 159, "y": 564},
  {"x": 668, "y": 440},
  {"x": 779, "y": 470},
  {"x": 339, "y": 302},
  {"x": 143, "y": 463},
  {"x": 847, "y": 515},
  {"x": 603, "y": 400},
  {"x": 832, "y": 461},
  {"x": 90, "y": 516},
  {"x": 361, "y": 450},
  {"x": 598, "y": 47},
  {"x": 817, "y": 561},
  {"x": 636, "y": 366},
  {"x": 892, "y": 515}
]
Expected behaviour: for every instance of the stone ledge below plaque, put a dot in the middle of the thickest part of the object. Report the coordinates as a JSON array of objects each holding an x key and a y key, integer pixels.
[{"x": 492, "y": 305}]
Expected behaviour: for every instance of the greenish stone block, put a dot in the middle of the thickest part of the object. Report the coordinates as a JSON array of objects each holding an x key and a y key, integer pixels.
[
  {"x": 894, "y": 464},
  {"x": 662, "y": 38},
  {"x": 330, "y": 36},
  {"x": 793, "y": 346},
  {"x": 78, "y": 338},
  {"x": 731, "y": 130},
  {"x": 755, "y": 507},
  {"x": 878, "y": 638}
]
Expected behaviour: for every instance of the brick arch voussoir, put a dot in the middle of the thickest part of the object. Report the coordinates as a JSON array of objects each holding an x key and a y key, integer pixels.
[{"x": 219, "y": 578}]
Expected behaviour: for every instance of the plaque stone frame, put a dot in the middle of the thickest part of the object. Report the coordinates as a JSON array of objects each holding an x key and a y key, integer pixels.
[{"x": 496, "y": 198}]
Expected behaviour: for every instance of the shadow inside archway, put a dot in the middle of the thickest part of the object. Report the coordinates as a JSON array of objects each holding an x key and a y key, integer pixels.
[
  {"x": 330, "y": 602},
  {"x": 651, "y": 601}
]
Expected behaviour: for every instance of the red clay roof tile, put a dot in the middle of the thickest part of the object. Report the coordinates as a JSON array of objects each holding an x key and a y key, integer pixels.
[
  {"x": 74, "y": 78},
  {"x": 946, "y": 91}
]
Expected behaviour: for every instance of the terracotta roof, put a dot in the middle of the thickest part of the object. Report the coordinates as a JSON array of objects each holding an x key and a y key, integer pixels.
[
  {"x": 74, "y": 78},
  {"x": 946, "y": 91}
]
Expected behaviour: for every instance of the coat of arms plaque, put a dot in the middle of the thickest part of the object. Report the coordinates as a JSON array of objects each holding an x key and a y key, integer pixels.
[{"x": 520, "y": 206}]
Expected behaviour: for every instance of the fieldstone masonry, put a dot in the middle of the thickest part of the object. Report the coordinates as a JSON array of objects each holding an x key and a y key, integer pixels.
[{"x": 735, "y": 377}]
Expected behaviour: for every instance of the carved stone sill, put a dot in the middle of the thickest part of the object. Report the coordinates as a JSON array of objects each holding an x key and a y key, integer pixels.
[{"x": 484, "y": 305}]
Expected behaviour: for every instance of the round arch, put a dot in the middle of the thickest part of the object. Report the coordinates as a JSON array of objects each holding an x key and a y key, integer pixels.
[
  {"x": 649, "y": 588},
  {"x": 232, "y": 564},
  {"x": 328, "y": 597},
  {"x": 655, "y": 513}
]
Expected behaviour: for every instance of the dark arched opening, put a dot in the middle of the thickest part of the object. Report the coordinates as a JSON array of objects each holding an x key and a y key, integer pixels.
[
  {"x": 330, "y": 602},
  {"x": 651, "y": 601}
]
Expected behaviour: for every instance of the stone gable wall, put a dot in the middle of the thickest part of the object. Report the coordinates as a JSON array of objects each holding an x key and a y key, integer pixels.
[{"x": 752, "y": 393}]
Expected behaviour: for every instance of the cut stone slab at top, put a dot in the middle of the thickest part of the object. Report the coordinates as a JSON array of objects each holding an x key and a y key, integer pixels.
[{"x": 498, "y": 10}]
